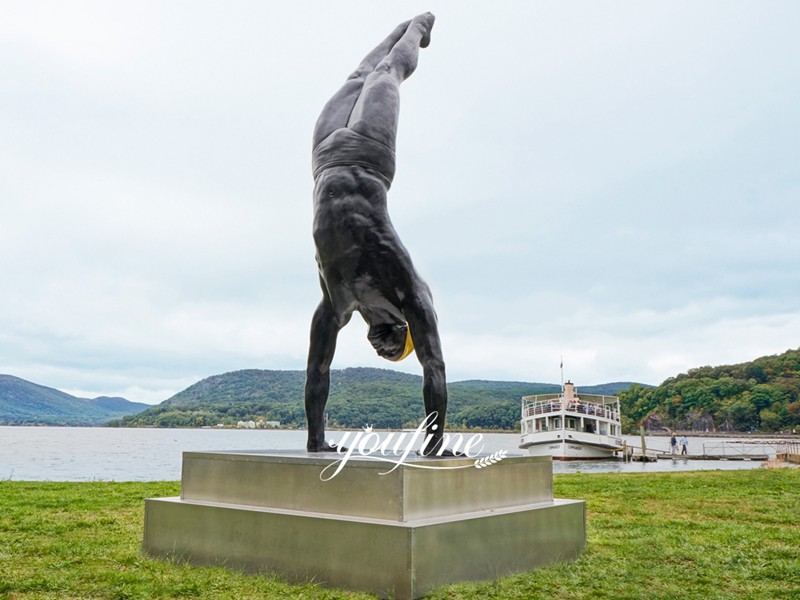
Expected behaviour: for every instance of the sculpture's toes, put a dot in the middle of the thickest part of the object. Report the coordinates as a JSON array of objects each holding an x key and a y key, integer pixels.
[{"x": 425, "y": 21}]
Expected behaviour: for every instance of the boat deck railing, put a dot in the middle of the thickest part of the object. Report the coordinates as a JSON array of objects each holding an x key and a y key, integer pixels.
[{"x": 541, "y": 407}]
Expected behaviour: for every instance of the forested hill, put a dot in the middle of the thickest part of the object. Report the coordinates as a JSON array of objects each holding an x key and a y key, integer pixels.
[
  {"x": 761, "y": 395},
  {"x": 26, "y": 403},
  {"x": 358, "y": 396}
]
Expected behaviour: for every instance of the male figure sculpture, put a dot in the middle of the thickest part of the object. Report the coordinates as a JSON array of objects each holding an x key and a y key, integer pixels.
[{"x": 363, "y": 265}]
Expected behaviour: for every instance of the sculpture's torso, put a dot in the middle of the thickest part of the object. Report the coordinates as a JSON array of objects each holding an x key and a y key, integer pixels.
[{"x": 363, "y": 265}]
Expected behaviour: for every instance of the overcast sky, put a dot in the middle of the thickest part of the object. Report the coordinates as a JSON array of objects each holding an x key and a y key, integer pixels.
[{"x": 617, "y": 183}]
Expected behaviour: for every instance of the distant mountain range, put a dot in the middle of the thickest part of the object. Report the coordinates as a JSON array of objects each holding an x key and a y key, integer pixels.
[
  {"x": 381, "y": 397},
  {"x": 26, "y": 403},
  {"x": 760, "y": 395},
  {"x": 358, "y": 396}
]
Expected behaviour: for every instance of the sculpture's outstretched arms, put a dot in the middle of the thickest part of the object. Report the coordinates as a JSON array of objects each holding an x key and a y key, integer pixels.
[{"x": 324, "y": 331}]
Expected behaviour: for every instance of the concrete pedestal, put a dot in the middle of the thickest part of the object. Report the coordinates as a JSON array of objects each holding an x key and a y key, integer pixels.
[{"x": 398, "y": 534}]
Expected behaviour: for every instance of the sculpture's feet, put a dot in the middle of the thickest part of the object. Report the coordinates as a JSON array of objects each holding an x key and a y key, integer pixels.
[{"x": 425, "y": 23}]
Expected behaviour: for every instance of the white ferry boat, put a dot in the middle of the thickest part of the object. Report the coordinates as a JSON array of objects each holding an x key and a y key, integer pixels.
[{"x": 571, "y": 427}]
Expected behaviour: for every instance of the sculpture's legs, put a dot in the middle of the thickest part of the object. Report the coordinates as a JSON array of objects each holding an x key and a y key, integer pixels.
[
  {"x": 337, "y": 111},
  {"x": 377, "y": 108}
]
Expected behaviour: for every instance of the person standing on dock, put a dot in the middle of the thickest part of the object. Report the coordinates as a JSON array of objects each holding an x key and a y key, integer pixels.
[
  {"x": 673, "y": 444},
  {"x": 684, "y": 445}
]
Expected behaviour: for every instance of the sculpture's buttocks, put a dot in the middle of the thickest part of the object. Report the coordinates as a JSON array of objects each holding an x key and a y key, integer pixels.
[{"x": 346, "y": 147}]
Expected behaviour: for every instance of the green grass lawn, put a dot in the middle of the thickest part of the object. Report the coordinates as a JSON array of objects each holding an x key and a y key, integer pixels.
[{"x": 722, "y": 534}]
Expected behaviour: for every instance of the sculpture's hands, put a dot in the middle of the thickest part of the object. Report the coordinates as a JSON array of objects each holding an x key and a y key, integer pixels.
[
  {"x": 326, "y": 447},
  {"x": 437, "y": 449},
  {"x": 443, "y": 454},
  {"x": 324, "y": 331}
]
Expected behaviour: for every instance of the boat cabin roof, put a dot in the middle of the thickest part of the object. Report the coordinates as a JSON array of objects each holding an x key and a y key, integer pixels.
[{"x": 583, "y": 398}]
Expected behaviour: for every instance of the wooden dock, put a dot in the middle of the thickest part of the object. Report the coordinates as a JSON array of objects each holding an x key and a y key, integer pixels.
[
  {"x": 668, "y": 456},
  {"x": 631, "y": 453},
  {"x": 640, "y": 458},
  {"x": 723, "y": 451},
  {"x": 789, "y": 452}
]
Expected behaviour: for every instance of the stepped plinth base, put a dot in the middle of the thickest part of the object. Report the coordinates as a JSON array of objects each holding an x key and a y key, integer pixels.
[{"x": 398, "y": 534}]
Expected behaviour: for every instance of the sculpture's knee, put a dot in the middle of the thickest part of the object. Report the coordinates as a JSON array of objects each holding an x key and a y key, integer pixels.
[
  {"x": 359, "y": 74},
  {"x": 399, "y": 65}
]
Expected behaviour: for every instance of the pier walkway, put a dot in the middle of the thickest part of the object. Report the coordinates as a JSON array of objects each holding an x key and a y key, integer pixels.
[
  {"x": 667, "y": 455},
  {"x": 757, "y": 451},
  {"x": 789, "y": 451}
]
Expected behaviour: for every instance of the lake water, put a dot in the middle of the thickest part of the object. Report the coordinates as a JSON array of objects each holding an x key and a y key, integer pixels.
[{"x": 112, "y": 454}]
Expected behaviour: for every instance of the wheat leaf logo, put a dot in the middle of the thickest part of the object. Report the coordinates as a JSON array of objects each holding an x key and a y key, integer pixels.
[{"x": 488, "y": 461}]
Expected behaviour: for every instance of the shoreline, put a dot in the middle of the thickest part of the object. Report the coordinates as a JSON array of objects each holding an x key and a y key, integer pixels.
[{"x": 721, "y": 434}]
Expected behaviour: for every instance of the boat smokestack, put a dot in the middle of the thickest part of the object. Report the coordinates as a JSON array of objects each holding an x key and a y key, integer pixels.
[{"x": 568, "y": 396}]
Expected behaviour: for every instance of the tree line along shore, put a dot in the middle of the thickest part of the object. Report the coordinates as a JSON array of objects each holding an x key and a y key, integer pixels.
[{"x": 761, "y": 396}]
